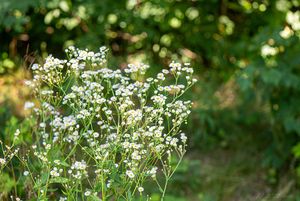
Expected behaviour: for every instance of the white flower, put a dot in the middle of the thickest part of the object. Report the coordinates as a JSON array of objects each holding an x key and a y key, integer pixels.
[
  {"x": 42, "y": 125},
  {"x": 87, "y": 193},
  {"x": 159, "y": 99},
  {"x": 26, "y": 173},
  {"x": 160, "y": 76},
  {"x": 54, "y": 172},
  {"x": 130, "y": 174},
  {"x": 133, "y": 116},
  {"x": 79, "y": 165},
  {"x": 286, "y": 33},
  {"x": 174, "y": 66},
  {"x": 78, "y": 169},
  {"x": 294, "y": 19},
  {"x": 140, "y": 189},
  {"x": 2, "y": 161},
  {"x": 183, "y": 137},
  {"x": 28, "y": 105},
  {"x": 135, "y": 155},
  {"x": 152, "y": 172},
  {"x": 35, "y": 67},
  {"x": 267, "y": 50},
  {"x": 132, "y": 68},
  {"x": 17, "y": 133},
  {"x": 165, "y": 71},
  {"x": 96, "y": 134}
]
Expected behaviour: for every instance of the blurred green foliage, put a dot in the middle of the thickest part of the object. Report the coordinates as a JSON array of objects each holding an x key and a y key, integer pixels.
[{"x": 246, "y": 54}]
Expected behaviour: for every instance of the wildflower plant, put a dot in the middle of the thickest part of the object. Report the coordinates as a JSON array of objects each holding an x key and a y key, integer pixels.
[{"x": 102, "y": 134}]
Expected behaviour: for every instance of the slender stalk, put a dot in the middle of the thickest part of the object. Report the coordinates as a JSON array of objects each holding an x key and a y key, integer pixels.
[
  {"x": 103, "y": 187},
  {"x": 165, "y": 189}
]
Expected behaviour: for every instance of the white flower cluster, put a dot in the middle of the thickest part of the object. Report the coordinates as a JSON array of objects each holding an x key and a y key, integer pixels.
[
  {"x": 267, "y": 50},
  {"x": 50, "y": 72},
  {"x": 78, "y": 170},
  {"x": 8, "y": 152},
  {"x": 293, "y": 18},
  {"x": 107, "y": 128},
  {"x": 76, "y": 55},
  {"x": 292, "y": 26},
  {"x": 132, "y": 68}
]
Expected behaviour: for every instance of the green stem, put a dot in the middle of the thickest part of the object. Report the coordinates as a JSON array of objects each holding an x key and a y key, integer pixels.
[
  {"x": 102, "y": 187},
  {"x": 165, "y": 189}
]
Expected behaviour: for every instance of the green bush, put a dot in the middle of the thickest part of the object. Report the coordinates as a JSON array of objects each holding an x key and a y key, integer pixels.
[{"x": 247, "y": 49}]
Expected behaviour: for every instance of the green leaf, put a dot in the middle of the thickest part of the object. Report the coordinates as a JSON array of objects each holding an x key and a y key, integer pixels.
[
  {"x": 271, "y": 76},
  {"x": 63, "y": 163},
  {"x": 59, "y": 180},
  {"x": 6, "y": 183},
  {"x": 93, "y": 198},
  {"x": 296, "y": 150}
]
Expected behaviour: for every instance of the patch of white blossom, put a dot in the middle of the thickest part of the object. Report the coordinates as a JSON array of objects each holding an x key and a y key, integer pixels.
[{"x": 98, "y": 126}]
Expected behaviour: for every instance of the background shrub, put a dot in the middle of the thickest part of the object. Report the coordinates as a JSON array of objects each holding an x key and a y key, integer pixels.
[{"x": 247, "y": 60}]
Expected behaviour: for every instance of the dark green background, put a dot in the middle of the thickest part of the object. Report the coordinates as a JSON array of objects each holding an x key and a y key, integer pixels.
[{"x": 245, "y": 125}]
